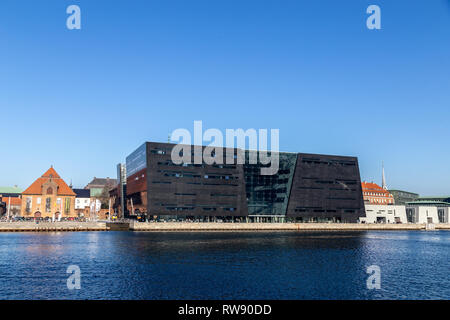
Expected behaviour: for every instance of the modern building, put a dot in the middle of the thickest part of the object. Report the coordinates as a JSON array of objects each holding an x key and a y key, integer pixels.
[
  {"x": 98, "y": 185},
  {"x": 414, "y": 212},
  {"x": 435, "y": 198},
  {"x": 384, "y": 214},
  {"x": 427, "y": 212},
  {"x": 49, "y": 196},
  {"x": 307, "y": 187},
  {"x": 402, "y": 197},
  {"x": 121, "y": 189},
  {"x": 374, "y": 194}
]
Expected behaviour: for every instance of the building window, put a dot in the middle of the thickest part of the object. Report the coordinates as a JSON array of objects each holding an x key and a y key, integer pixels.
[
  {"x": 48, "y": 205},
  {"x": 38, "y": 200},
  {"x": 67, "y": 205},
  {"x": 49, "y": 191},
  {"x": 28, "y": 205}
]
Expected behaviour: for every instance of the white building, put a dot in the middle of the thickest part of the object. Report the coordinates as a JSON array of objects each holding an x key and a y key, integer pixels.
[
  {"x": 428, "y": 212},
  {"x": 413, "y": 212},
  {"x": 384, "y": 214},
  {"x": 83, "y": 199}
]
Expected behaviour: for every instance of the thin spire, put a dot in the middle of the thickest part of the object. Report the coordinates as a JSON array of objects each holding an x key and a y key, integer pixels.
[{"x": 383, "y": 178}]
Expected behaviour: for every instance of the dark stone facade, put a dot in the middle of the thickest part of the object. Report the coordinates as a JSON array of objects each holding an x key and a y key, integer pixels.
[
  {"x": 326, "y": 187},
  {"x": 192, "y": 189},
  {"x": 307, "y": 187}
]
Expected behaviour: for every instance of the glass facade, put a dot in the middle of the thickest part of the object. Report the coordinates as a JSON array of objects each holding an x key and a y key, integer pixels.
[
  {"x": 269, "y": 194},
  {"x": 411, "y": 215},
  {"x": 136, "y": 161},
  {"x": 441, "y": 215}
]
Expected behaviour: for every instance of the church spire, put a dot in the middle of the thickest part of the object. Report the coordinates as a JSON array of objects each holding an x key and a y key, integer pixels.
[{"x": 383, "y": 178}]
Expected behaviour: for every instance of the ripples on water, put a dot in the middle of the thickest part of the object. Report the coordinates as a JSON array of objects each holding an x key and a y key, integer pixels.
[{"x": 221, "y": 265}]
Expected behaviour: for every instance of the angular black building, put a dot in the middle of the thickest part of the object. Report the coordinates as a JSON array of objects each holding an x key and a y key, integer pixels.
[{"x": 306, "y": 188}]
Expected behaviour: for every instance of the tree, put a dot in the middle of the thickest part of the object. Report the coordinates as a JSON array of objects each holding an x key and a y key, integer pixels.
[{"x": 104, "y": 197}]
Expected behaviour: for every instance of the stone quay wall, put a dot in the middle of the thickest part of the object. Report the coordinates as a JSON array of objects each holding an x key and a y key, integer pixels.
[
  {"x": 31, "y": 226},
  {"x": 205, "y": 226}
]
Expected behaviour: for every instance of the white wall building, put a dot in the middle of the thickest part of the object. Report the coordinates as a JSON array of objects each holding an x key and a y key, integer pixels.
[
  {"x": 416, "y": 213},
  {"x": 82, "y": 203},
  {"x": 384, "y": 214},
  {"x": 83, "y": 199},
  {"x": 411, "y": 213}
]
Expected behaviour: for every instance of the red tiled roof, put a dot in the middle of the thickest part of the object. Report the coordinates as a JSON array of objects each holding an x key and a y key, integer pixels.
[
  {"x": 36, "y": 187},
  {"x": 51, "y": 173},
  {"x": 14, "y": 201},
  {"x": 373, "y": 187}
]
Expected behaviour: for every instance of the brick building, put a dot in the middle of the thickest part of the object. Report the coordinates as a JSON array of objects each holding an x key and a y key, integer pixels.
[
  {"x": 374, "y": 194},
  {"x": 10, "y": 200},
  {"x": 49, "y": 196}
]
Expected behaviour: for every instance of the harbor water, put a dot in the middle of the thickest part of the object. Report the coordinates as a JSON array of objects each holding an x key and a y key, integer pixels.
[{"x": 225, "y": 265}]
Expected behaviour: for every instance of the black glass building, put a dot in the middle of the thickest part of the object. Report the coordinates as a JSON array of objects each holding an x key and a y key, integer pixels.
[{"x": 306, "y": 187}]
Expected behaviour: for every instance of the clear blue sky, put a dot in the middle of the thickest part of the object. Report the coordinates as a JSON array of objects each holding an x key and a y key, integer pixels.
[{"x": 82, "y": 100}]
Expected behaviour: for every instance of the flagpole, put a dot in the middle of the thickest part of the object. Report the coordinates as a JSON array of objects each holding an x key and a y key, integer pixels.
[{"x": 9, "y": 206}]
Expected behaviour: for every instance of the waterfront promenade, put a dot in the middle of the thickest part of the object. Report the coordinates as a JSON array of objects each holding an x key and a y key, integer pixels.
[{"x": 204, "y": 226}]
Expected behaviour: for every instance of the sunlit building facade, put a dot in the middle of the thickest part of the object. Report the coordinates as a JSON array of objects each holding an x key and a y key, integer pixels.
[
  {"x": 48, "y": 197},
  {"x": 374, "y": 194}
]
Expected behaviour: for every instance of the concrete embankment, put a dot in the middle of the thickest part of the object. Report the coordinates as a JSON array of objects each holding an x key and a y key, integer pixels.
[
  {"x": 52, "y": 226},
  {"x": 204, "y": 226}
]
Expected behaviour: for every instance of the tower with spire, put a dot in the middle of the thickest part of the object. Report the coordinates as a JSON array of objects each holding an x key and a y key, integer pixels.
[{"x": 383, "y": 178}]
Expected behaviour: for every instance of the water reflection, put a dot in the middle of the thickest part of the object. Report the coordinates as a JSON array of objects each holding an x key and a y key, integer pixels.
[{"x": 223, "y": 265}]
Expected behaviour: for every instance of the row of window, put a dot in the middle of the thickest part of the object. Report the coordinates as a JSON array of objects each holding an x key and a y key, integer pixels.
[
  {"x": 381, "y": 201},
  {"x": 204, "y": 209},
  {"x": 306, "y": 209},
  {"x": 48, "y": 204},
  {"x": 212, "y": 194},
  {"x": 198, "y": 183},
  {"x": 196, "y": 165},
  {"x": 181, "y": 153},
  {"x": 315, "y": 210},
  {"x": 265, "y": 180},
  {"x": 181, "y": 174},
  {"x": 377, "y": 194},
  {"x": 328, "y": 162}
]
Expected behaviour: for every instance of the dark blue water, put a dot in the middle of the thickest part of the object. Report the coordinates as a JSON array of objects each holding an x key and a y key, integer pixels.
[{"x": 275, "y": 265}]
